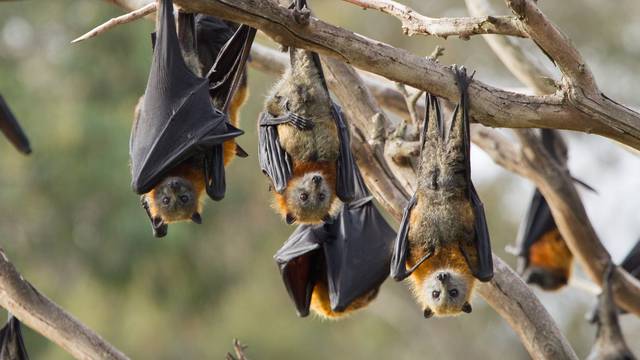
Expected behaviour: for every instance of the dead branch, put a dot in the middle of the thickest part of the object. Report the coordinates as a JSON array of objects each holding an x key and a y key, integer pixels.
[
  {"x": 35, "y": 310},
  {"x": 120, "y": 20},
  {"x": 415, "y": 23},
  {"x": 492, "y": 106}
]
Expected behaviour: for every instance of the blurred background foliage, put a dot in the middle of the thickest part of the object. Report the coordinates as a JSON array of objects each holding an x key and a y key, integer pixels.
[{"x": 73, "y": 227}]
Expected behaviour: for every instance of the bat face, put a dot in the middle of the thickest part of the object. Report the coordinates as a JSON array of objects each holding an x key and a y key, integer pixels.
[
  {"x": 446, "y": 293},
  {"x": 308, "y": 198},
  {"x": 175, "y": 199}
]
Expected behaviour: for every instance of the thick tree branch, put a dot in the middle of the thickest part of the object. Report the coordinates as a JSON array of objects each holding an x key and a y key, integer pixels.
[
  {"x": 36, "y": 311},
  {"x": 415, "y": 23},
  {"x": 492, "y": 106}
]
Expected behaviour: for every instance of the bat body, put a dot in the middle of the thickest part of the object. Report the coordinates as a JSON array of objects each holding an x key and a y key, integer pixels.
[
  {"x": 185, "y": 124},
  {"x": 443, "y": 242},
  {"x": 610, "y": 343},
  {"x": 337, "y": 267},
  {"x": 544, "y": 259},
  {"x": 11, "y": 341},
  {"x": 304, "y": 149}
]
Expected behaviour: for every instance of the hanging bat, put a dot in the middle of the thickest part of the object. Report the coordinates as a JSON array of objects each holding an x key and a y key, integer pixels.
[
  {"x": 544, "y": 259},
  {"x": 11, "y": 128},
  {"x": 338, "y": 266},
  {"x": 11, "y": 341},
  {"x": 443, "y": 241},
  {"x": 177, "y": 141},
  {"x": 304, "y": 144},
  {"x": 610, "y": 343}
]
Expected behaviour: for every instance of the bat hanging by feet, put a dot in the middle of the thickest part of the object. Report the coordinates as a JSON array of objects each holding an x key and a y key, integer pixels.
[
  {"x": 184, "y": 127},
  {"x": 544, "y": 259},
  {"x": 304, "y": 144},
  {"x": 443, "y": 241}
]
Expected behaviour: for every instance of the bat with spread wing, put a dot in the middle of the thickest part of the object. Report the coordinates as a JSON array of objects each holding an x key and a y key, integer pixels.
[
  {"x": 443, "y": 241},
  {"x": 182, "y": 123},
  {"x": 11, "y": 342},
  {"x": 337, "y": 267}
]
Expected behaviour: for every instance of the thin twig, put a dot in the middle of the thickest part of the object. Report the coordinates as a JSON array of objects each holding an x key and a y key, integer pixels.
[
  {"x": 415, "y": 23},
  {"x": 120, "y": 20}
]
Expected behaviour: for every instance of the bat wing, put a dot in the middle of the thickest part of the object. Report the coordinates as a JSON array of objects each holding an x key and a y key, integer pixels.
[
  {"x": 274, "y": 161},
  {"x": 299, "y": 260},
  {"x": 345, "y": 184},
  {"x": 212, "y": 34},
  {"x": 401, "y": 246},
  {"x": 631, "y": 262},
  {"x": 359, "y": 252},
  {"x": 11, "y": 342},
  {"x": 482, "y": 269},
  {"x": 177, "y": 119},
  {"x": 11, "y": 128},
  {"x": 537, "y": 222},
  {"x": 482, "y": 265},
  {"x": 228, "y": 68}
]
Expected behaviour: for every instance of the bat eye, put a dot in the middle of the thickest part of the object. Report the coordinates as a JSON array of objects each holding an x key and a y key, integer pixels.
[
  {"x": 184, "y": 198},
  {"x": 322, "y": 196},
  {"x": 165, "y": 200},
  {"x": 453, "y": 293},
  {"x": 304, "y": 196},
  {"x": 435, "y": 294}
]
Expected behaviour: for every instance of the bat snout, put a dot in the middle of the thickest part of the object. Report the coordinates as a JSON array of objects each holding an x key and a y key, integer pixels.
[
  {"x": 174, "y": 185},
  {"x": 317, "y": 179}
]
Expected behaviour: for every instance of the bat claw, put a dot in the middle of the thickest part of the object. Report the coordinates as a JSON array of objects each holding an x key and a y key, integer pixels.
[{"x": 301, "y": 16}]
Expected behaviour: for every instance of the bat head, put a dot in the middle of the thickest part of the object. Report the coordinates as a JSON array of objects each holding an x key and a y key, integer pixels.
[
  {"x": 175, "y": 199},
  {"x": 308, "y": 198},
  {"x": 546, "y": 279},
  {"x": 447, "y": 293}
]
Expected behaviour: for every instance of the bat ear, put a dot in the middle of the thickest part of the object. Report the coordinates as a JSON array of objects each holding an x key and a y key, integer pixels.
[
  {"x": 290, "y": 219},
  {"x": 196, "y": 218},
  {"x": 427, "y": 313},
  {"x": 466, "y": 307}
]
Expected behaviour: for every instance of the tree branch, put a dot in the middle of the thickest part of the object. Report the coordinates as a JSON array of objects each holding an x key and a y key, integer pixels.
[
  {"x": 120, "y": 20},
  {"x": 415, "y": 23},
  {"x": 493, "y": 107},
  {"x": 22, "y": 300},
  {"x": 554, "y": 180}
]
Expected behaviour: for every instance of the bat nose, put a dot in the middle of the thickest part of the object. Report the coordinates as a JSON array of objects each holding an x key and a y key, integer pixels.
[
  {"x": 316, "y": 180},
  {"x": 442, "y": 277},
  {"x": 174, "y": 184}
]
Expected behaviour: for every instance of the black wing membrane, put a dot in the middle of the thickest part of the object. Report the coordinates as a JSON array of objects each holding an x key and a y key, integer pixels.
[
  {"x": 177, "y": 119},
  {"x": 359, "y": 255},
  {"x": 631, "y": 262},
  {"x": 345, "y": 184},
  {"x": 11, "y": 343},
  {"x": 274, "y": 161},
  {"x": 482, "y": 269},
  {"x": 300, "y": 261},
  {"x": 11, "y": 128},
  {"x": 538, "y": 221}
]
